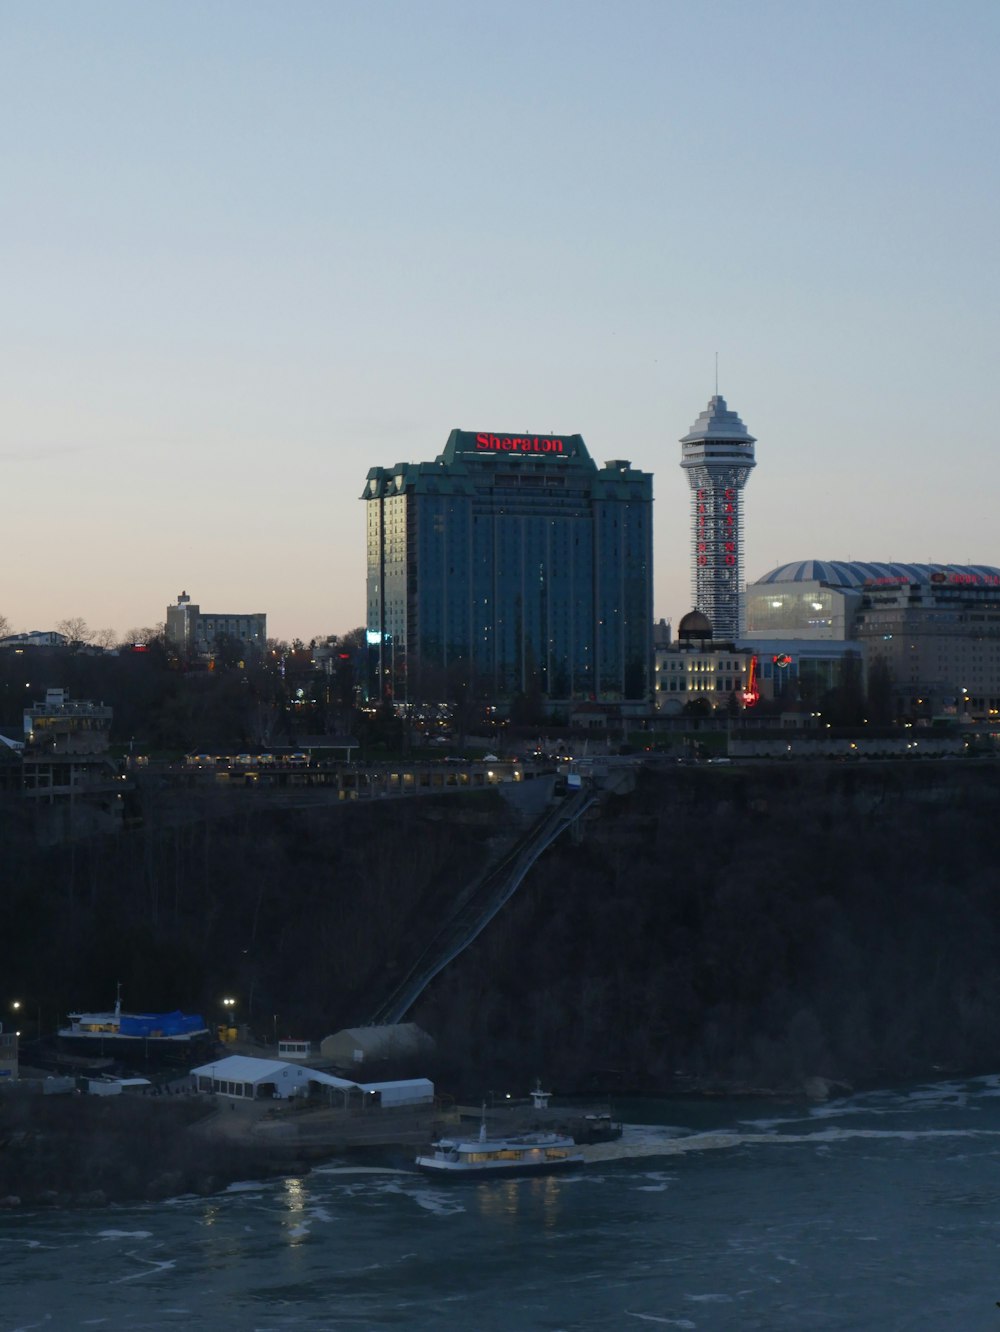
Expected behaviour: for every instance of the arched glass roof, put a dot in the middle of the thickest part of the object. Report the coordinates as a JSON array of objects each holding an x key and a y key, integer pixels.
[{"x": 854, "y": 573}]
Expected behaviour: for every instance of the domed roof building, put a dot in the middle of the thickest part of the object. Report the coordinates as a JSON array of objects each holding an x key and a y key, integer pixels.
[
  {"x": 701, "y": 671},
  {"x": 857, "y": 574},
  {"x": 935, "y": 628},
  {"x": 694, "y": 625},
  {"x": 818, "y": 598}
]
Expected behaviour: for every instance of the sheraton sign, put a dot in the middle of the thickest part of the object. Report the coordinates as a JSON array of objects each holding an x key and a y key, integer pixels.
[
  {"x": 504, "y": 446},
  {"x": 519, "y": 444}
]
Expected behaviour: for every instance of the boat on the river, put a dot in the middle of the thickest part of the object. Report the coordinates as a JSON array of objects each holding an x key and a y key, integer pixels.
[
  {"x": 598, "y": 1126},
  {"x": 518, "y": 1154}
]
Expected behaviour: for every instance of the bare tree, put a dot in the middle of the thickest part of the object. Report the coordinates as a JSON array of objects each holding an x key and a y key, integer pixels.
[
  {"x": 75, "y": 630},
  {"x": 4, "y": 626},
  {"x": 150, "y": 633},
  {"x": 106, "y": 638}
]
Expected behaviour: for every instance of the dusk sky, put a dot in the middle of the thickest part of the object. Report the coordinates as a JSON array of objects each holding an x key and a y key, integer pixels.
[{"x": 250, "y": 250}]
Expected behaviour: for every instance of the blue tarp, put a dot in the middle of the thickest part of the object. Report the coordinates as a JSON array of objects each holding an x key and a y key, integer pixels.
[{"x": 160, "y": 1024}]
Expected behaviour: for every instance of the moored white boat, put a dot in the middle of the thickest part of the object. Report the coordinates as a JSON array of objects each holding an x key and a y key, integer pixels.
[{"x": 145, "y": 1030}]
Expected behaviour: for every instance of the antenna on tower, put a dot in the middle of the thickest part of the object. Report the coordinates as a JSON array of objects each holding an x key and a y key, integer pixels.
[{"x": 716, "y": 374}]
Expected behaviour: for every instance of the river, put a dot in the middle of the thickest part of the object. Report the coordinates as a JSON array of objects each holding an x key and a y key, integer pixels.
[{"x": 879, "y": 1211}]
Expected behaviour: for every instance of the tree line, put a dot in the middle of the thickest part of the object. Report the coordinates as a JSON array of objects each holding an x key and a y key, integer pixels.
[{"x": 163, "y": 702}]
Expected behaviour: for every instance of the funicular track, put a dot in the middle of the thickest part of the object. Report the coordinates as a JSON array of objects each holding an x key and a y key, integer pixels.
[{"x": 487, "y": 898}]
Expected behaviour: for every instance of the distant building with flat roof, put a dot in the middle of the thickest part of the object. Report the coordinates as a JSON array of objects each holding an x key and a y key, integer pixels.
[
  {"x": 198, "y": 633},
  {"x": 35, "y": 638}
]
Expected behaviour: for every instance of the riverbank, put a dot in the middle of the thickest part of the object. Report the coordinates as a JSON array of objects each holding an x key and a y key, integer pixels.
[{"x": 80, "y": 1150}]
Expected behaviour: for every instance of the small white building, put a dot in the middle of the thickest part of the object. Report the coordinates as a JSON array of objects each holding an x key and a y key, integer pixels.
[
  {"x": 290, "y": 1048},
  {"x": 118, "y": 1086},
  {"x": 405, "y": 1091}
]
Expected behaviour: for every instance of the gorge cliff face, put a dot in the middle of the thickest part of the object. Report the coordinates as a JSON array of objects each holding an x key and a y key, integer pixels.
[
  {"x": 751, "y": 927},
  {"x": 720, "y": 926}
]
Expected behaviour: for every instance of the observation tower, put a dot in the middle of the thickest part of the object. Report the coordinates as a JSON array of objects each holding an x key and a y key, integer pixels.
[{"x": 717, "y": 453}]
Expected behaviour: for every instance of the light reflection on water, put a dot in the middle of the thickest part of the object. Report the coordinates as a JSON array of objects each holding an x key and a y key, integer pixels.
[
  {"x": 508, "y": 1200},
  {"x": 876, "y": 1212},
  {"x": 295, "y": 1205}
]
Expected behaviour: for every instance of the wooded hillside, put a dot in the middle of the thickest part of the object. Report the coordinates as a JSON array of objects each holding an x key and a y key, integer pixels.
[{"x": 727, "y": 926}]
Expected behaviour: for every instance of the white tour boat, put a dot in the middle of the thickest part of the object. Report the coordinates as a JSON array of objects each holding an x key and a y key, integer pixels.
[{"x": 520, "y": 1154}]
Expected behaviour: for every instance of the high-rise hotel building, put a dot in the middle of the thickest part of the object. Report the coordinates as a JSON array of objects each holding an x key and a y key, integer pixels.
[{"x": 511, "y": 564}]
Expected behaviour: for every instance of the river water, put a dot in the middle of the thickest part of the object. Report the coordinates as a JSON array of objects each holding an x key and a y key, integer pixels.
[{"x": 880, "y": 1211}]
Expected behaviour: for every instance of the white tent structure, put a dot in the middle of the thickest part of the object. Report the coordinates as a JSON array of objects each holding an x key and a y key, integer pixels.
[
  {"x": 246, "y": 1078},
  {"x": 406, "y": 1091},
  {"x": 332, "y": 1085}
]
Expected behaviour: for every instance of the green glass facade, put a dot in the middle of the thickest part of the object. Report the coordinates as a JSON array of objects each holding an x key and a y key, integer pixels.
[{"x": 510, "y": 565}]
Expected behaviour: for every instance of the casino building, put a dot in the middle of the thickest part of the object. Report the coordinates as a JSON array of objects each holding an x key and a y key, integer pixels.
[
  {"x": 934, "y": 627},
  {"x": 510, "y": 565}
]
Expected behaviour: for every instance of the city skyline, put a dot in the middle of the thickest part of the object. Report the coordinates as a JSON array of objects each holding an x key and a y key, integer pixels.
[{"x": 250, "y": 253}]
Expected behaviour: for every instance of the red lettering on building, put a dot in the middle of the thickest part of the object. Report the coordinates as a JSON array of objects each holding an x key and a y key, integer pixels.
[{"x": 518, "y": 444}]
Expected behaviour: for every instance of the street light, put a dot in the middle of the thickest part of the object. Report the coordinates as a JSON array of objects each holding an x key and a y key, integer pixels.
[{"x": 17, "y": 1007}]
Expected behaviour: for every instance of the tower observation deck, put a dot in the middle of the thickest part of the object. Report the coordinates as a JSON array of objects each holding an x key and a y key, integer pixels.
[{"x": 718, "y": 454}]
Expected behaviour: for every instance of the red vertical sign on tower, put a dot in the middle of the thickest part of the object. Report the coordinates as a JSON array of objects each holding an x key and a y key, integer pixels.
[{"x": 702, "y": 526}]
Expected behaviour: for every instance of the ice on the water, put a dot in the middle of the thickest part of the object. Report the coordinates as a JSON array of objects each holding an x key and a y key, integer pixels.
[
  {"x": 247, "y": 1186},
  {"x": 151, "y": 1266},
  {"x": 358, "y": 1170},
  {"x": 655, "y": 1318},
  {"x": 442, "y": 1204},
  {"x": 659, "y": 1182}
]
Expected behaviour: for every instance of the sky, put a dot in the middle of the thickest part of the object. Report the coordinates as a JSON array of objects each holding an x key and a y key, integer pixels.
[{"x": 250, "y": 250}]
